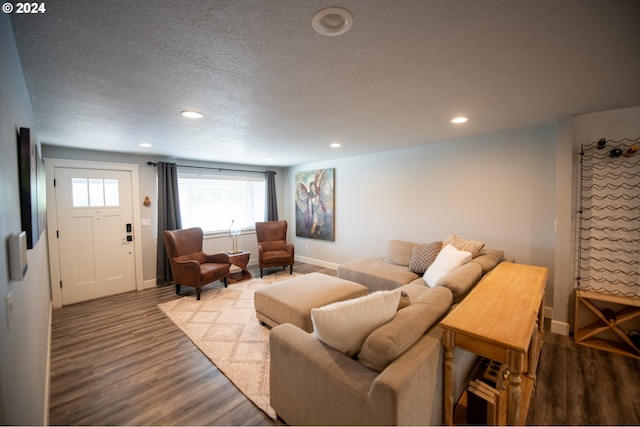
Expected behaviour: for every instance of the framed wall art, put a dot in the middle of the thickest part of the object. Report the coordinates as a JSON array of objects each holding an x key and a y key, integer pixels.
[
  {"x": 314, "y": 193},
  {"x": 32, "y": 187}
]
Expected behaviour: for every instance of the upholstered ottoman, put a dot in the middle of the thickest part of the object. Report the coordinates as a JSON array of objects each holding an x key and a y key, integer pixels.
[{"x": 291, "y": 301}]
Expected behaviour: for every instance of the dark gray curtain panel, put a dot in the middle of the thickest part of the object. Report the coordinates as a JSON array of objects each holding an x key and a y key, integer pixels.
[
  {"x": 271, "y": 205},
  {"x": 168, "y": 216}
]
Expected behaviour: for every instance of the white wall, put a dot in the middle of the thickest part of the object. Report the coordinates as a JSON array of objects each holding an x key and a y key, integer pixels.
[
  {"x": 497, "y": 188},
  {"x": 24, "y": 348}
]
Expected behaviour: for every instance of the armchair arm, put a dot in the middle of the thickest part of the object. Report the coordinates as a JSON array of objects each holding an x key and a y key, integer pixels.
[
  {"x": 290, "y": 249},
  {"x": 220, "y": 258},
  {"x": 185, "y": 272}
]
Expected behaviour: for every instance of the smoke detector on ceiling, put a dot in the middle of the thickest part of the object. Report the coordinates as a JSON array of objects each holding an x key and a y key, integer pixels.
[{"x": 333, "y": 21}]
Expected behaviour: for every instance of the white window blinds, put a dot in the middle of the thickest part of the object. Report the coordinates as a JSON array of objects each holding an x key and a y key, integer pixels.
[{"x": 210, "y": 200}]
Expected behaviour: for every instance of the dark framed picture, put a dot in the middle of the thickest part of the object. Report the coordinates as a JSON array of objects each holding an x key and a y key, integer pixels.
[
  {"x": 315, "y": 204},
  {"x": 32, "y": 182}
]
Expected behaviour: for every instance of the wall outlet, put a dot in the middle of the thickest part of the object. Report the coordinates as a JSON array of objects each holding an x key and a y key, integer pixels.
[
  {"x": 306, "y": 246},
  {"x": 146, "y": 221}
]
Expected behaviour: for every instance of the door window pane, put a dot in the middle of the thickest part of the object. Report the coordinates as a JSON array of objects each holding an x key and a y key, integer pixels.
[
  {"x": 111, "y": 196},
  {"x": 79, "y": 192},
  {"x": 96, "y": 192}
]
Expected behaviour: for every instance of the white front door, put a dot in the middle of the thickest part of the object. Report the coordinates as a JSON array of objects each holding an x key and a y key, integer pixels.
[{"x": 95, "y": 233}]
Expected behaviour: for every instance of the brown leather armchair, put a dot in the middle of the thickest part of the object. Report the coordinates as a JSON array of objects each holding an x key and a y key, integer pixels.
[
  {"x": 191, "y": 266},
  {"x": 273, "y": 249}
]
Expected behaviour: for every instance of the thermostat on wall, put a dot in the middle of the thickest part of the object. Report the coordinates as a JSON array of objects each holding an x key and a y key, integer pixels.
[{"x": 18, "y": 255}]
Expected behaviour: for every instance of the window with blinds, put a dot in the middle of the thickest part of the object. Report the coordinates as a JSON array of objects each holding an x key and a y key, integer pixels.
[{"x": 211, "y": 200}]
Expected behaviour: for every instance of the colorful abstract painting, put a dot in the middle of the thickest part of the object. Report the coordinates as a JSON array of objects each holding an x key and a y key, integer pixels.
[{"x": 314, "y": 194}]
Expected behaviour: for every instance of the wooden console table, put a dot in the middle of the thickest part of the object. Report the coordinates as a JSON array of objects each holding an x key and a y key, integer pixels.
[{"x": 501, "y": 319}]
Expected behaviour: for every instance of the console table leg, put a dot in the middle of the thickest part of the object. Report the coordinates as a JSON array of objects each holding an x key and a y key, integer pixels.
[
  {"x": 448, "y": 341},
  {"x": 515, "y": 361}
]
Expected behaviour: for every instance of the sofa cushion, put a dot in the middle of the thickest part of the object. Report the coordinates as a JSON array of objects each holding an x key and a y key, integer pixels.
[
  {"x": 376, "y": 274},
  {"x": 399, "y": 252},
  {"x": 345, "y": 325},
  {"x": 393, "y": 338},
  {"x": 488, "y": 259},
  {"x": 464, "y": 245},
  {"x": 448, "y": 259},
  {"x": 461, "y": 279},
  {"x": 422, "y": 256}
]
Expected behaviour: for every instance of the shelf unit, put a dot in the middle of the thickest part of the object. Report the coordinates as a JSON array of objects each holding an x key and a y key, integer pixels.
[
  {"x": 593, "y": 329},
  {"x": 608, "y": 270}
]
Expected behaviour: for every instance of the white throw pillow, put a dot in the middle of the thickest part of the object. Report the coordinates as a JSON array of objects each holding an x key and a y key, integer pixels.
[
  {"x": 345, "y": 325},
  {"x": 448, "y": 259}
]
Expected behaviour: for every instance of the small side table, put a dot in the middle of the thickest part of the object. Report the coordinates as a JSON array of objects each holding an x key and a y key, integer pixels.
[{"x": 241, "y": 259}]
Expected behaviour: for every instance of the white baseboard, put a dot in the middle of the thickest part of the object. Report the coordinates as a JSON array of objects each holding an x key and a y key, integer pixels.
[
  {"x": 318, "y": 262},
  {"x": 560, "y": 328},
  {"x": 148, "y": 284}
]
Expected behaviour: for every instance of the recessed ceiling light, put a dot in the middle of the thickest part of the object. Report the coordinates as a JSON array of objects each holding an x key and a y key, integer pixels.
[
  {"x": 146, "y": 145},
  {"x": 268, "y": 159},
  {"x": 335, "y": 145},
  {"x": 192, "y": 114},
  {"x": 332, "y": 21},
  {"x": 460, "y": 120}
]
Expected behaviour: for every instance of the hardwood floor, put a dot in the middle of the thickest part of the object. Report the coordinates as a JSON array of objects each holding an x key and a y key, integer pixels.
[{"x": 121, "y": 361}]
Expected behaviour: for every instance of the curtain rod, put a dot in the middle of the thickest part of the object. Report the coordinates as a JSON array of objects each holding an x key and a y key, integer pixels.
[{"x": 212, "y": 168}]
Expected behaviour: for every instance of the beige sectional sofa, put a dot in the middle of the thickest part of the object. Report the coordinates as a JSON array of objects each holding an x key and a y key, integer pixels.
[
  {"x": 397, "y": 376},
  {"x": 399, "y": 267},
  {"x": 314, "y": 384}
]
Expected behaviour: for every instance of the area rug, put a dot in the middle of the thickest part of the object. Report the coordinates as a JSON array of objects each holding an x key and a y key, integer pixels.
[{"x": 223, "y": 325}]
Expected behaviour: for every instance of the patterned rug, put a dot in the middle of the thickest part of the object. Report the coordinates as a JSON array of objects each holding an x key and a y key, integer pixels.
[{"x": 223, "y": 325}]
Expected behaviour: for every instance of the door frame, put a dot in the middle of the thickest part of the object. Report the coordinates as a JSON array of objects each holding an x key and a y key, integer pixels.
[{"x": 52, "y": 218}]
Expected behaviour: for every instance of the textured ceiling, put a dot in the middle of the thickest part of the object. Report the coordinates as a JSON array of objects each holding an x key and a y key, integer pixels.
[{"x": 109, "y": 75}]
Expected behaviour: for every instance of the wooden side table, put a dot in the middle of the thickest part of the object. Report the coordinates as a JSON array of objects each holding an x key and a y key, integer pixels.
[
  {"x": 241, "y": 259},
  {"x": 501, "y": 319}
]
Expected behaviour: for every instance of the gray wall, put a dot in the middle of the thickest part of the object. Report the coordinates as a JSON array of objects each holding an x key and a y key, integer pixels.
[
  {"x": 23, "y": 347},
  {"x": 498, "y": 189}
]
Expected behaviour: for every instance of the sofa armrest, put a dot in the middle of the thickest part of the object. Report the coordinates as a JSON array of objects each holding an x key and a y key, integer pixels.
[{"x": 311, "y": 383}]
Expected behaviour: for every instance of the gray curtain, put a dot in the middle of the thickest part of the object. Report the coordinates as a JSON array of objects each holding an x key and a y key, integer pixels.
[
  {"x": 168, "y": 216},
  {"x": 271, "y": 208}
]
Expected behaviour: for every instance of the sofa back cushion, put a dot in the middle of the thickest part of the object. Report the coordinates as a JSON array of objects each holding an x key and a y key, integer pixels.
[
  {"x": 345, "y": 325},
  {"x": 399, "y": 252},
  {"x": 393, "y": 338},
  {"x": 461, "y": 280},
  {"x": 488, "y": 259}
]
